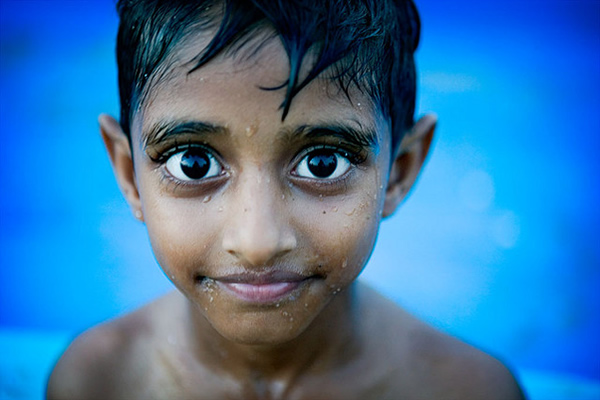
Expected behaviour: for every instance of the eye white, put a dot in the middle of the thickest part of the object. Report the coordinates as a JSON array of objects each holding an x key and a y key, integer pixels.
[
  {"x": 174, "y": 166},
  {"x": 342, "y": 166}
]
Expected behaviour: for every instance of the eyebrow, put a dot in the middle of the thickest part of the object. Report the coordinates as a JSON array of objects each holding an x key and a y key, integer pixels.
[
  {"x": 359, "y": 137},
  {"x": 163, "y": 130}
]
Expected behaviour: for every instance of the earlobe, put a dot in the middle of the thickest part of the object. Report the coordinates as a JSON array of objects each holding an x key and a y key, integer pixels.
[
  {"x": 408, "y": 162},
  {"x": 121, "y": 159}
]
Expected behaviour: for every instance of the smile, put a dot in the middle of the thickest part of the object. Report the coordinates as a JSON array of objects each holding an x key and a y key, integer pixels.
[{"x": 261, "y": 288}]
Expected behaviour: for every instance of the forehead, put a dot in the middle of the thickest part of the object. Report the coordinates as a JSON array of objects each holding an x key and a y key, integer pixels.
[{"x": 244, "y": 85}]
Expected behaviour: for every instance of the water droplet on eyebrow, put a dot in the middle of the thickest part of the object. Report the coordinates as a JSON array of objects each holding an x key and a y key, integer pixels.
[{"x": 206, "y": 199}]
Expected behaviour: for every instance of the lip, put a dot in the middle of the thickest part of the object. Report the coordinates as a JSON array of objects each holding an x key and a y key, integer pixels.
[{"x": 261, "y": 288}]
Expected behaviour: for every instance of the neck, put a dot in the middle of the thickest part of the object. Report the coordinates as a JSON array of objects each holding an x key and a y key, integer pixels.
[{"x": 328, "y": 341}]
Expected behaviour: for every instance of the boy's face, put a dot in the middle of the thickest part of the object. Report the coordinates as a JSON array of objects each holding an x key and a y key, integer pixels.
[{"x": 259, "y": 222}]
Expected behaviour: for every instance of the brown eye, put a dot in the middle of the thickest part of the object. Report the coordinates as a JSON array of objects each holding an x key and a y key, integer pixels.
[
  {"x": 323, "y": 164},
  {"x": 193, "y": 163}
]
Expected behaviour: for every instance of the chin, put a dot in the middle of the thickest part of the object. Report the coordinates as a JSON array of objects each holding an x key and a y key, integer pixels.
[{"x": 267, "y": 328}]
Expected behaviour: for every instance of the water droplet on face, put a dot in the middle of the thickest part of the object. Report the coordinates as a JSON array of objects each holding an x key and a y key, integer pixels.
[
  {"x": 277, "y": 305},
  {"x": 334, "y": 209},
  {"x": 351, "y": 212},
  {"x": 305, "y": 305},
  {"x": 220, "y": 209},
  {"x": 285, "y": 313},
  {"x": 291, "y": 319},
  {"x": 345, "y": 263},
  {"x": 283, "y": 197},
  {"x": 211, "y": 299},
  {"x": 320, "y": 197},
  {"x": 252, "y": 129},
  {"x": 206, "y": 199}
]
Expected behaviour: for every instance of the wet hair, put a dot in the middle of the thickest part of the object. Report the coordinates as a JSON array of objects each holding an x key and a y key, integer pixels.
[{"x": 367, "y": 44}]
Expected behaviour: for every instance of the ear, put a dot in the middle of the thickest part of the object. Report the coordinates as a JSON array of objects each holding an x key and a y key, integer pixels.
[
  {"x": 408, "y": 161},
  {"x": 119, "y": 152}
]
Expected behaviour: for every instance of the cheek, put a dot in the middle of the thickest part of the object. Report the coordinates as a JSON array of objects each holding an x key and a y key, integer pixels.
[
  {"x": 343, "y": 234},
  {"x": 182, "y": 234}
]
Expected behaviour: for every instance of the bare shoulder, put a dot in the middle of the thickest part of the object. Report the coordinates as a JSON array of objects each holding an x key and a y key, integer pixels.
[
  {"x": 106, "y": 358},
  {"x": 458, "y": 370},
  {"x": 431, "y": 364}
]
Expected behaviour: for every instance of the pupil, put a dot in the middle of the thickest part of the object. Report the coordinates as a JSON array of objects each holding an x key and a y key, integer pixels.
[
  {"x": 194, "y": 164},
  {"x": 322, "y": 165}
]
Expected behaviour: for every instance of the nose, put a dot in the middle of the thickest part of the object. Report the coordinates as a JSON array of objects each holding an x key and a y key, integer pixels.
[{"x": 258, "y": 229}]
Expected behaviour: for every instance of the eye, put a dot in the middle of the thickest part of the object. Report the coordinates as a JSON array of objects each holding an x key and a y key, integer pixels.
[
  {"x": 323, "y": 164},
  {"x": 192, "y": 164}
]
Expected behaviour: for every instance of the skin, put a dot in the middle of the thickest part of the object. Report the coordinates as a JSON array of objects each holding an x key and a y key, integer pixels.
[{"x": 261, "y": 220}]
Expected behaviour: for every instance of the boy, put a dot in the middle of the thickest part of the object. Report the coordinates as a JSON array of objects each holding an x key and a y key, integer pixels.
[{"x": 261, "y": 143}]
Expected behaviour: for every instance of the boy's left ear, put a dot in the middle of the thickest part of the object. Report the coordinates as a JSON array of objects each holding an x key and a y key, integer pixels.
[{"x": 408, "y": 161}]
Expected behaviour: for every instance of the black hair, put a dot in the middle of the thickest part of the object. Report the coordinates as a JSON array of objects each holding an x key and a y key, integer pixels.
[{"x": 365, "y": 43}]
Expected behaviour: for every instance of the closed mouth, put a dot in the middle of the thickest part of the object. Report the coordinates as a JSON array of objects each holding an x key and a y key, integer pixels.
[{"x": 261, "y": 288}]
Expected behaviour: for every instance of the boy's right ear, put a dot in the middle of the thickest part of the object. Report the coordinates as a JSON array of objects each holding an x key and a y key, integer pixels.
[{"x": 121, "y": 158}]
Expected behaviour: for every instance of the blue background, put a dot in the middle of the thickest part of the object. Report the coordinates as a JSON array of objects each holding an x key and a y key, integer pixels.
[{"x": 498, "y": 244}]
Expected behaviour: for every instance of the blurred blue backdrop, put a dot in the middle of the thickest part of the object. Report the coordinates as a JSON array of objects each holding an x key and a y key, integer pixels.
[{"x": 499, "y": 243}]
